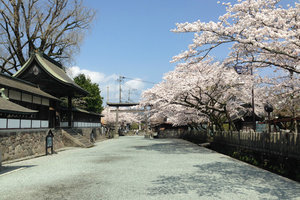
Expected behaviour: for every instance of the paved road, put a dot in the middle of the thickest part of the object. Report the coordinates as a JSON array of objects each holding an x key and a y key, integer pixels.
[{"x": 137, "y": 168}]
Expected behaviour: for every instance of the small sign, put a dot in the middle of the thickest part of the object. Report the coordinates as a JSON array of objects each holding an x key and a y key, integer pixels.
[{"x": 49, "y": 142}]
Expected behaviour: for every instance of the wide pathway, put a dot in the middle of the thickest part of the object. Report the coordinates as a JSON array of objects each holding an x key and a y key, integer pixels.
[{"x": 137, "y": 168}]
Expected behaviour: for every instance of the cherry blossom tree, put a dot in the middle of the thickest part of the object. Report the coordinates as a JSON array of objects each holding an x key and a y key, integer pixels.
[
  {"x": 261, "y": 32},
  {"x": 162, "y": 111},
  {"x": 283, "y": 93},
  {"x": 200, "y": 92}
]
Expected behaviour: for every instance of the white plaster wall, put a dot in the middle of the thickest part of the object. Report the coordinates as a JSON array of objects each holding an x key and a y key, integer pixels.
[
  {"x": 25, "y": 123},
  {"x": 13, "y": 123},
  {"x": 3, "y": 123}
]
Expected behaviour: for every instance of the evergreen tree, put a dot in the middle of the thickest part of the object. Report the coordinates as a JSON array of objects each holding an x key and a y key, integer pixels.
[{"x": 92, "y": 102}]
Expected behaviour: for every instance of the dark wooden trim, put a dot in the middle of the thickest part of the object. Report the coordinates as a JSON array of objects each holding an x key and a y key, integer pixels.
[{"x": 69, "y": 111}]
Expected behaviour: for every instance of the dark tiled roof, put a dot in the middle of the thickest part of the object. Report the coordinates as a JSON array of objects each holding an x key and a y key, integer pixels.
[
  {"x": 18, "y": 84},
  {"x": 10, "y": 107},
  {"x": 56, "y": 71},
  {"x": 52, "y": 68}
]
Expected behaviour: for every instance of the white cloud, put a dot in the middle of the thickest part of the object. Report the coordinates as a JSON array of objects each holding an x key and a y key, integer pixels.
[
  {"x": 131, "y": 89},
  {"x": 112, "y": 77},
  {"x": 96, "y": 77},
  {"x": 135, "y": 84}
]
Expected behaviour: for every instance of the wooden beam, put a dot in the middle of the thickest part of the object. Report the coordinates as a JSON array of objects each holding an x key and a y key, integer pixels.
[{"x": 69, "y": 111}]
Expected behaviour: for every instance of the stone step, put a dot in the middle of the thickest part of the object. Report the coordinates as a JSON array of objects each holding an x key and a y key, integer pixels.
[
  {"x": 83, "y": 140},
  {"x": 77, "y": 139},
  {"x": 74, "y": 132}
]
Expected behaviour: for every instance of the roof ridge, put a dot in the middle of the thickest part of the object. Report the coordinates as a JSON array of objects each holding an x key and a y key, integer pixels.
[{"x": 58, "y": 64}]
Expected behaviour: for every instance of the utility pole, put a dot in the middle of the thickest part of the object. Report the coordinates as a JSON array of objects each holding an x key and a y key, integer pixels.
[
  {"x": 129, "y": 95},
  {"x": 120, "y": 79},
  {"x": 117, "y": 111},
  {"x": 107, "y": 98}
]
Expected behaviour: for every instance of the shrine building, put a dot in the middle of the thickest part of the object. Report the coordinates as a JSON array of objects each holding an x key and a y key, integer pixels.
[{"x": 31, "y": 97}]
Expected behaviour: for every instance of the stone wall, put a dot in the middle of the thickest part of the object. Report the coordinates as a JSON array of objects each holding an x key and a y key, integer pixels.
[
  {"x": 16, "y": 144},
  {"x": 19, "y": 143}
]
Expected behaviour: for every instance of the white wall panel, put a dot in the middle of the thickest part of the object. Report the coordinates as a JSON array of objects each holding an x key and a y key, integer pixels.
[
  {"x": 13, "y": 123},
  {"x": 25, "y": 123},
  {"x": 45, "y": 124},
  {"x": 36, "y": 123},
  {"x": 3, "y": 123}
]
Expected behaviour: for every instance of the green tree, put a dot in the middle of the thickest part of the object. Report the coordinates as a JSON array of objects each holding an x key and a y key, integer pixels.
[{"x": 92, "y": 102}]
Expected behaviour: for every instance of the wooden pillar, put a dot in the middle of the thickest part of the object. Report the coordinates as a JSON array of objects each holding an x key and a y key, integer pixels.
[{"x": 69, "y": 111}]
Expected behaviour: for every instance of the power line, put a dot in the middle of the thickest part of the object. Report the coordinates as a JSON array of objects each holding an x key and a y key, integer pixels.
[
  {"x": 120, "y": 80},
  {"x": 123, "y": 77}
]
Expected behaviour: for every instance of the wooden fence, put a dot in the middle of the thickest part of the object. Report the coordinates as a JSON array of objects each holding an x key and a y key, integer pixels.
[{"x": 278, "y": 143}]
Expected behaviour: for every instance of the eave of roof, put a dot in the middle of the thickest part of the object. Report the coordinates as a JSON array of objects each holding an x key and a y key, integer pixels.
[
  {"x": 21, "y": 85},
  {"x": 7, "y": 106}
]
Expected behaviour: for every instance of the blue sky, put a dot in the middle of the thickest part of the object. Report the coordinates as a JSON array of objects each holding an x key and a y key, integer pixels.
[{"x": 132, "y": 38}]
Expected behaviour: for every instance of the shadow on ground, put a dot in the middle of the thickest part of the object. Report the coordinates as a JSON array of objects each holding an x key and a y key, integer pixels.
[
  {"x": 108, "y": 159},
  {"x": 173, "y": 147},
  {"x": 214, "y": 179},
  {"x": 7, "y": 169}
]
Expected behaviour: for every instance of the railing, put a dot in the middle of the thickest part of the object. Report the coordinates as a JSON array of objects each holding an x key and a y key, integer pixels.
[
  {"x": 281, "y": 143},
  {"x": 22, "y": 123}
]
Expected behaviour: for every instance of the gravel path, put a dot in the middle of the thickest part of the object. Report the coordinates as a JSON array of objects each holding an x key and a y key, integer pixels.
[{"x": 137, "y": 168}]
